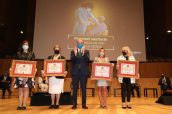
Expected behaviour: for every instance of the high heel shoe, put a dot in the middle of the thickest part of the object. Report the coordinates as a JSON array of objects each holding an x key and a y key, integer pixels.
[
  {"x": 19, "y": 108},
  {"x": 129, "y": 106},
  {"x": 101, "y": 106},
  {"x": 51, "y": 106},
  {"x": 56, "y": 106},
  {"x": 23, "y": 108},
  {"x": 124, "y": 106},
  {"x": 104, "y": 107}
]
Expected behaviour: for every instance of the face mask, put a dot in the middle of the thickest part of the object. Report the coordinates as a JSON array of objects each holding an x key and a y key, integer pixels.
[
  {"x": 56, "y": 51},
  {"x": 25, "y": 47},
  {"x": 80, "y": 45},
  {"x": 124, "y": 53},
  {"x": 101, "y": 54}
]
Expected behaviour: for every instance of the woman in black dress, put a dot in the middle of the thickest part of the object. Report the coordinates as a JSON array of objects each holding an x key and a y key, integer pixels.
[{"x": 24, "y": 84}]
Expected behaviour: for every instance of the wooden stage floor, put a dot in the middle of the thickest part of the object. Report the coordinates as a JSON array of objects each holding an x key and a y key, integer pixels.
[{"x": 140, "y": 106}]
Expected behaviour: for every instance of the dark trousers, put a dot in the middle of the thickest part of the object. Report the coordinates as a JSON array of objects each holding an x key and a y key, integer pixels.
[
  {"x": 80, "y": 78},
  {"x": 4, "y": 88},
  {"x": 135, "y": 87},
  {"x": 126, "y": 89}
]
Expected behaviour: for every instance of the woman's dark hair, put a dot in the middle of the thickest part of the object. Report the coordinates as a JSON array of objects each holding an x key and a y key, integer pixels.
[{"x": 21, "y": 49}]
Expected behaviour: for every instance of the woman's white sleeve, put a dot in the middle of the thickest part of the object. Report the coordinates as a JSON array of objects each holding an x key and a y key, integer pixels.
[
  {"x": 133, "y": 80},
  {"x": 120, "y": 79}
]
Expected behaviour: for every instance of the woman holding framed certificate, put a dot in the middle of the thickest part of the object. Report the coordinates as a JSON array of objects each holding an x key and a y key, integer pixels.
[
  {"x": 102, "y": 84},
  {"x": 125, "y": 81},
  {"x": 24, "y": 83},
  {"x": 56, "y": 83}
]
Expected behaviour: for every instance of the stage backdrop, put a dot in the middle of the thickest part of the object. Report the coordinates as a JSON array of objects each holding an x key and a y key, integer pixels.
[{"x": 111, "y": 24}]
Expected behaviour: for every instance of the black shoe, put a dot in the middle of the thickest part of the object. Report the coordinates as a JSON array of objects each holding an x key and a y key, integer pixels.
[
  {"x": 19, "y": 108},
  {"x": 84, "y": 107},
  {"x": 74, "y": 107},
  {"x": 23, "y": 108},
  {"x": 56, "y": 106},
  {"x": 129, "y": 107},
  {"x": 105, "y": 107},
  {"x": 123, "y": 107},
  {"x": 51, "y": 106},
  {"x": 101, "y": 106}
]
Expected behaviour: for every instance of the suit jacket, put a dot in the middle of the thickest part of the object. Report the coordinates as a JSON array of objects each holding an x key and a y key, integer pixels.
[{"x": 80, "y": 63}]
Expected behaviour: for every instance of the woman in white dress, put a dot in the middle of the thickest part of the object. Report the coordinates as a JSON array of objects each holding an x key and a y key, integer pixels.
[
  {"x": 102, "y": 84},
  {"x": 56, "y": 83}
]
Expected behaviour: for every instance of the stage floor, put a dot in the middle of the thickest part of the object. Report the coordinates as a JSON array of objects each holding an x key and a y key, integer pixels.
[{"x": 140, "y": 106}]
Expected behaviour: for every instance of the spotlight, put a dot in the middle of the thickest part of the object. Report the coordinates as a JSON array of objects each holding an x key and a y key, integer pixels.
[
  {"x": 21, "y": 32},
  {"x": 168, "y": 31}
]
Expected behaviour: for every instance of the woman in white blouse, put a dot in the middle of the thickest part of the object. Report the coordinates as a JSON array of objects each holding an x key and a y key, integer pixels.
[{"x": 126, "y": 82}]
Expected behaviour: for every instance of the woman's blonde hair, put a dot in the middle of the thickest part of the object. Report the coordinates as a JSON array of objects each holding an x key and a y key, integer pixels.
[
  {"x": 56, "y": 46},
  {"x": 127, "y": 48},
  {"x": 100, "y": 50}
]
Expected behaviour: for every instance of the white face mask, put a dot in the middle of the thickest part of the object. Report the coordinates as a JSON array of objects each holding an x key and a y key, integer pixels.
[{"x": 25, "y": 47}]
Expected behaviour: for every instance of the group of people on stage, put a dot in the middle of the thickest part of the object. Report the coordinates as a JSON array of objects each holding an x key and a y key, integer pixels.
[{"x": 80, "y": 59}]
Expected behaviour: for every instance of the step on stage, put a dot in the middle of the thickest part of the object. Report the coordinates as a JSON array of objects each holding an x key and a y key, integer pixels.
[
  {"x": 44, "y": 99},
  {"x": 143, "y": 105}
]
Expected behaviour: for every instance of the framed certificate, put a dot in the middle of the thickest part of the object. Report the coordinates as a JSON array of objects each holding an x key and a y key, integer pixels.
[
  {"x": 21, "y": 68},
  {"x": 55, "y": 67},
  {"x": 128, "y": 69},
  {"x": 102, "y": 71}
]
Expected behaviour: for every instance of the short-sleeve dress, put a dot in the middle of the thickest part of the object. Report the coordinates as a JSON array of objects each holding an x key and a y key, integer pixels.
[{"x": 101, "y": 83}]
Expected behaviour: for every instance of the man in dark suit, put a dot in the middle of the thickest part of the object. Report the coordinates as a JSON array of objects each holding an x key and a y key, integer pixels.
[
  {"x": 80, "y": 58},
  {"x": 165, "y": 83},
  {"x": 5, "y": 81}
]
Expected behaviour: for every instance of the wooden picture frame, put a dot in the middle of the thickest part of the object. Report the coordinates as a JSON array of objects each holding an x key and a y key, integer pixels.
[
  {"x": 22, "y": 68},
  {"x": 129, "y": 69},
  {"x": 55, "y": 67},
  {"x": 102, "y": 71}
]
